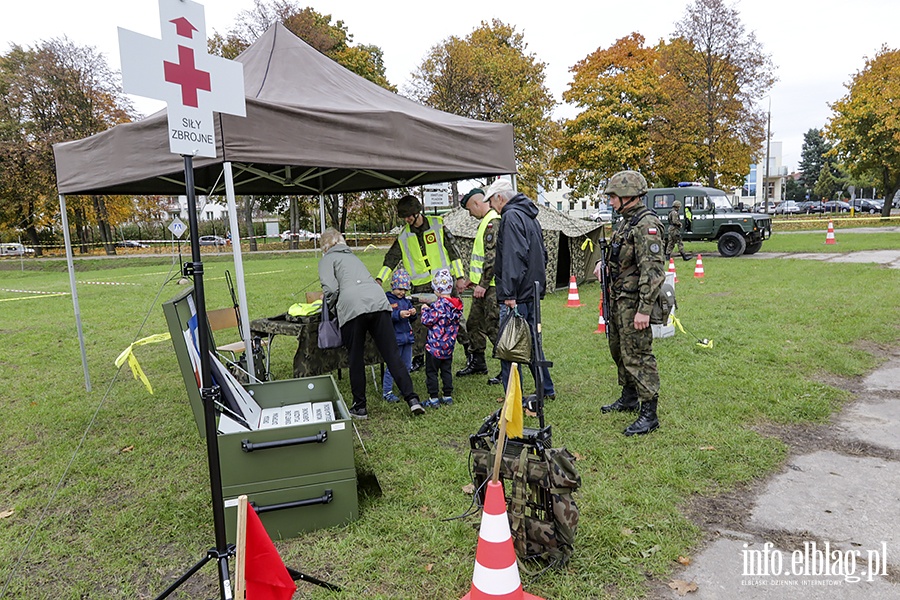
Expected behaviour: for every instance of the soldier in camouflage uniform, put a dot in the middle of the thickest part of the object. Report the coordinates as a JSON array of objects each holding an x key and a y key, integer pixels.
[
  {"x": 424, "y": 247},
  {"x": 673, "y": 235},
  {"x": 484, "y": 316},
  {"x": 636, "y": 274}
]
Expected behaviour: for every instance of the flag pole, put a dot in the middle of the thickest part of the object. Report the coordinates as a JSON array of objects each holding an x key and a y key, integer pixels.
[
  {"x": 240, "y": 573},
  {"x": 501, "y": 437}
]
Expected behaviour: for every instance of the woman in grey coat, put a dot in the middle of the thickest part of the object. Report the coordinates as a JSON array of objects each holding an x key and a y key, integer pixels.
[{"x": 361, "y": 307}]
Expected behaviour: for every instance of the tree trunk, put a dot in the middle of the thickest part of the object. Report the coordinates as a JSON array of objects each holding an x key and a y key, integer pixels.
[
  {"x": 32, "y": 235},
  {"x": 248, "y": 223},
  {"x": 103, "y": 225}
]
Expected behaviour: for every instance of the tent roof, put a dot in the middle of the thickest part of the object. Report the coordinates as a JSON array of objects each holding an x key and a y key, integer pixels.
[
  {"x": 462, "y": 224},
  {"x": 312, "y": 126}
]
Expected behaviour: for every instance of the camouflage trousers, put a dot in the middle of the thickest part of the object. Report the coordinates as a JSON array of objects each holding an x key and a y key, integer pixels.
[
  {"x": 632, "y": 350},
  {"x": 673, "y": 238},
  {"x": 420, "y": 332},
  {"x": 483, "y": 323}
]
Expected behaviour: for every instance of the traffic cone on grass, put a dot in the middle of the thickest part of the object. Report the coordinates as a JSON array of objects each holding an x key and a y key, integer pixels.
[
  {"x": 698, "y": 270},
  {"x": 496, "y": 571},
  {"x": 574, "y": 301},
  {"x": 829, "y": 237},
  {"x": 672, "y": 269},
  {"x": 601, "y": 323}
]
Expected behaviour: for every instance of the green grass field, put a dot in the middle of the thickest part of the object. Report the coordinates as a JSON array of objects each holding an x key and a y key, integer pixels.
[{"x": 106, "y": 494}]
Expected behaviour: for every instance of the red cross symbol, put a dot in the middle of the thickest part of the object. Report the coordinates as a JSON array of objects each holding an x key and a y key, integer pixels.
[{"x": 189, "y": 78}]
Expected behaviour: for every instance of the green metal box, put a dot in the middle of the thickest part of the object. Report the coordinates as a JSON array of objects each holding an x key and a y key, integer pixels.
[{"x": 298, "y": 477}]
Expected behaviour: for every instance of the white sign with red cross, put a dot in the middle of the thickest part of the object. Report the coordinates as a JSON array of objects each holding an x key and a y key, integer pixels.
[{"x": 178, "y": 70}]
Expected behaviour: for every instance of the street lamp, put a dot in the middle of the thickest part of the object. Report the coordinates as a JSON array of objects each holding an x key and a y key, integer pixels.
[{"x": 766, "y": 176}]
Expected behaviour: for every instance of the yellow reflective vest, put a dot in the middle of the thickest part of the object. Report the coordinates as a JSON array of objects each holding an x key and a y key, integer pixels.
[
  {"x": 476, "y": 265},
  {"x": 421, "y": 266}
]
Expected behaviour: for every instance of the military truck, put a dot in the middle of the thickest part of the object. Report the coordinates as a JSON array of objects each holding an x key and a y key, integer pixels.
[{"x": 708, "y": 215}]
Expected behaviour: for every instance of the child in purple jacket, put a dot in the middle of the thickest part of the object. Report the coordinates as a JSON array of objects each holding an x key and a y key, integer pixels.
[
  {"x": 402, "y": 312},
  {"x": 442, "y": 319}
]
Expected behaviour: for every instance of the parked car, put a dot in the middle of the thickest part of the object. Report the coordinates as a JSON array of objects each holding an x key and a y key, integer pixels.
[
  {"x": 760, "y": 207},
  {"x": 14, "y": 249},
  {"x": 811, "y": 206},
  {"x": 602, "y": 215},
  {"x": 131, "y": 244},
  {"x": 866, "y": 205},
  {"x": 212, "y": 240},
  {"x": 788, "y": 207},
  {"x": 302, "y": 236},
  {"x": 836, "y": 206}
]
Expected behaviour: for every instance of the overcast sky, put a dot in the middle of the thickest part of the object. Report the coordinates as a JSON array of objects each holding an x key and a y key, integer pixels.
[{"x": 816, "y": 45}]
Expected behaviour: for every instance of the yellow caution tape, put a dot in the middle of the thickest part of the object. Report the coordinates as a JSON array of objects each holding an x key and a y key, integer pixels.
[{"x": 128, "y": 354}]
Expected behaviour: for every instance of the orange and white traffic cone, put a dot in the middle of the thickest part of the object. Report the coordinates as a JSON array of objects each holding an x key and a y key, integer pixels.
[
  {"x": 496, "y": 570},
  {"x": 698, "y": 270},
  {"x": 601, "y": 324},
  {"x": 574, "y": 301},
  {"x": 829, "y": 237},
  {"x": 672, "y": 269}
]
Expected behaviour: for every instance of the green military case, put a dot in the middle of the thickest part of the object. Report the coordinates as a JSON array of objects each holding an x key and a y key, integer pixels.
[{"x": 299, "y": 478}]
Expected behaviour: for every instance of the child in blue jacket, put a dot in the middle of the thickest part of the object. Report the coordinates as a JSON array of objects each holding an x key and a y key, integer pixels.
[
  {"x": 442, "y": 319},
  {"x": 402, "y": 312}
]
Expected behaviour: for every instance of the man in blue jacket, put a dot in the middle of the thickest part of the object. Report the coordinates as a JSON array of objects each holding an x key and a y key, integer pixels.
[{"x": 521, "y": 260}]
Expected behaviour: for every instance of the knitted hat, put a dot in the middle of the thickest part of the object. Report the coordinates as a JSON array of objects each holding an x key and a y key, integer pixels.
[
  {"x": 400, "y": 280},
  {"x": 442, "y": 282}
]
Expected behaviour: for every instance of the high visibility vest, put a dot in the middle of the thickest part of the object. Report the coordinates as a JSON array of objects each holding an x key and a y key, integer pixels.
[
  {"x": 476, "y": 265},
  {"x": 421, "y": 267}
]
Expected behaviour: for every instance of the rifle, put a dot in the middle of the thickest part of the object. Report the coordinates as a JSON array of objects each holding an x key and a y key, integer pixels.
[{"x": 604, "y": 276}]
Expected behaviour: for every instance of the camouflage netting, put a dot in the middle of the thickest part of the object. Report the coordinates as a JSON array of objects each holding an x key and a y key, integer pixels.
[{"x": 563, "y": 236}]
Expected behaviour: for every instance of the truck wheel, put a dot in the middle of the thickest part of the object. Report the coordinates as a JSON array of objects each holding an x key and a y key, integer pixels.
[
  {"x": 753, "y": 248},
  {"x": 732, "y": 244}
]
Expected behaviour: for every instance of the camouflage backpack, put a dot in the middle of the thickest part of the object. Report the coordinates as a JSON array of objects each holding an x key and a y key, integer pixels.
[{"x": 543, "y": 516}]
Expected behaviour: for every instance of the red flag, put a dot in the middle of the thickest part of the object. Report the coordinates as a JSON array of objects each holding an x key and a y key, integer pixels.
[{"x": 267, "y": 577}]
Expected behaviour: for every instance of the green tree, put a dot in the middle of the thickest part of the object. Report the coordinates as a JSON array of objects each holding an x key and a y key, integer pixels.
[
  {"x": 812, "y": 157},
  {"x": 489, "y": 75},
  {"x": 827, "y": 186},
  {"x": 53, "y": 92},
  {"x": 865, "y": 127},
  {"x": 617, "y": 92},
  {"x": 714, "y": 73}
]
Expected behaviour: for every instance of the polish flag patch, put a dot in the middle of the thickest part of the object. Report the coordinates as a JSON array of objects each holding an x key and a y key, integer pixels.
[{"x": 652, "y": 230}]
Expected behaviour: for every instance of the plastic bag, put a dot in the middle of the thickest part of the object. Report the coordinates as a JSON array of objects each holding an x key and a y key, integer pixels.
[
  {"x": 329, "y": 332},
  {"x": 514, "y": 340}
]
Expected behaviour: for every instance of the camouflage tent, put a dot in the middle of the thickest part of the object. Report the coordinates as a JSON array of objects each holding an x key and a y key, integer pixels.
[{"x": 572, "y": 247}]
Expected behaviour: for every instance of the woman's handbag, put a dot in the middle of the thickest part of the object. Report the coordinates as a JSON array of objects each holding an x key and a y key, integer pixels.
[
  {"x": 514, "y": 340},
  {"x": 329, "y": 331}
]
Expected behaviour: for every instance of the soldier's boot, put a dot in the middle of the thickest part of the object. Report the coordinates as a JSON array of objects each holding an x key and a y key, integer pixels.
[
  {"x": 686, "y": 255},
  {"x": 668, "y": 256},
  {"x": 476, "y": 366},
  {"x": 647, "y": 421},
  {"x": 495, "y": 380},
  {"x": 627, "y": 402}
]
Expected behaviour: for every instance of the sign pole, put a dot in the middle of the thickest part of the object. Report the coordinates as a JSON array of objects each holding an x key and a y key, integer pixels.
[{"x": 211, "y": 396}]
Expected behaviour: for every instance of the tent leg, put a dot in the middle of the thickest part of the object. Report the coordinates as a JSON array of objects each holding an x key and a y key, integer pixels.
[{"x": 71, "y": 265}]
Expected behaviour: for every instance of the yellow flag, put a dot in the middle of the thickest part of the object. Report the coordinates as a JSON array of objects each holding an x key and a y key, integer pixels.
[
  {"x": 128, "y": 354},
  {"x": 512, "y": 407}
]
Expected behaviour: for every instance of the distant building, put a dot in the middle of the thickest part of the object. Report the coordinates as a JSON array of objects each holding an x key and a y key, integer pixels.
[
  {"x": 757, "y": 187},
  {"x": 559, "y": 197},
  {"x": 206, "y": 211}
]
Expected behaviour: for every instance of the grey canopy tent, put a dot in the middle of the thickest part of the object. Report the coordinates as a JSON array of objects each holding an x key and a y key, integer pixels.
[
  {"x": 312, "y": 127},
  {"x": 572, "y": 248}
]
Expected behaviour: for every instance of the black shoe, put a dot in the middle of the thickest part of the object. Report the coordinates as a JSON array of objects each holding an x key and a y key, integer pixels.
[
  {"x": 417, "y": 363},
  {"x": 414, "y": 407},
  {"x": 475, "y": 366},
  {"x": 359, "y": 413},
  {"x": 495, "y": 380},
  {"x": 627, "y": 402},
  {"x": 687, "y": 255},
  {"x": 646, "y": 422}
]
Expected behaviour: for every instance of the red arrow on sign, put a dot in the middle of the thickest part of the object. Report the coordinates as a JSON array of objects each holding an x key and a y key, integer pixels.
[{"x": 183, "y": 27}]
